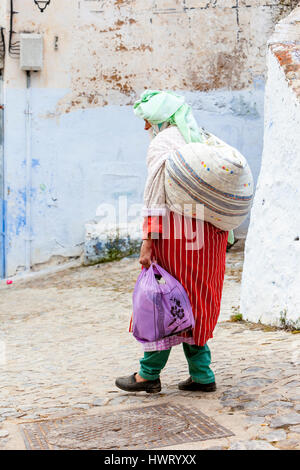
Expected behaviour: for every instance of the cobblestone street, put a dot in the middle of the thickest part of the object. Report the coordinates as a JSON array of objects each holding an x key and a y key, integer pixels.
[{"x": 66, "y": 340}]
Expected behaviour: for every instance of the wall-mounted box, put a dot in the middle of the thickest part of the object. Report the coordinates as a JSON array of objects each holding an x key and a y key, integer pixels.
[{"x": 31, "y": 51}]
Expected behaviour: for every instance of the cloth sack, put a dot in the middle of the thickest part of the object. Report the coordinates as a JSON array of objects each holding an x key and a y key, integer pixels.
[
  {"x": 160, "y": 308},
  {"x": 212, "y": 174}
]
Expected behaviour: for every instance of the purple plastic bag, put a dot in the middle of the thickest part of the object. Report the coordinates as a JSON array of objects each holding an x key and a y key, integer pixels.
[{"x": 159, "y": 309}]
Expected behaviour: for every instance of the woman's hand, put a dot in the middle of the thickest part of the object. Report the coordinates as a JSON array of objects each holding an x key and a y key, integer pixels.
[{"x": 145, "y": 254}]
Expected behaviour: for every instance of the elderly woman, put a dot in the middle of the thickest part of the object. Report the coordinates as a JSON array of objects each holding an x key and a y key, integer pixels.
[{"x": 198, "y": 267}]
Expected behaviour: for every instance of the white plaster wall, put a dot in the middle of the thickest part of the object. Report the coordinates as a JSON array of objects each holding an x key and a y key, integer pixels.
[
  {"x": 2, "y": 13},
  {"x": 271, "y": 275}
]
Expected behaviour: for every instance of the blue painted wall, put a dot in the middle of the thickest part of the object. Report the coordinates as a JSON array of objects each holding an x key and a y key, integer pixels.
[{"x": 2, "y": 238}]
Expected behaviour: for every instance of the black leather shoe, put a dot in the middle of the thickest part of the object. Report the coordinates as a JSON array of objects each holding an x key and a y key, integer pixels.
[
  {"x": 191, "y": 386},
  {"x": 129, "y": 384}
]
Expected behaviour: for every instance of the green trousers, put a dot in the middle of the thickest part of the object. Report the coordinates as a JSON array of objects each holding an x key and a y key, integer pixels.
[{"x": 198, "y": 358}]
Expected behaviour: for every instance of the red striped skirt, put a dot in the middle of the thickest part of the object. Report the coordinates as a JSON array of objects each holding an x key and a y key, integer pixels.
[{"x": 198, "y": 265}]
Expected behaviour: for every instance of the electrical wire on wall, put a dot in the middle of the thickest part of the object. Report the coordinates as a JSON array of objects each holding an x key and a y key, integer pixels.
[
  {"x": 2, "y": 45},
  {"x": 13, "y": 46}
]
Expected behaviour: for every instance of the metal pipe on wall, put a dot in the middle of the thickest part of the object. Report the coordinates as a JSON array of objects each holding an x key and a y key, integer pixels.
[{"x": 28, "y": 130}]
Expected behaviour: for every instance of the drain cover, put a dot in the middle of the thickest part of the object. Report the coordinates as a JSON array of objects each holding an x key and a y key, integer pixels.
[{"x": 139, "y": 428}]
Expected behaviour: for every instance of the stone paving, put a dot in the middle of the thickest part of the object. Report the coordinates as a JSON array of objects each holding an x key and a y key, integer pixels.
[{"x": 65, "y": 340}]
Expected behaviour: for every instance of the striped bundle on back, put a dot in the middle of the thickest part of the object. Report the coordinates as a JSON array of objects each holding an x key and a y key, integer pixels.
[{"x": 211, "y": 175}]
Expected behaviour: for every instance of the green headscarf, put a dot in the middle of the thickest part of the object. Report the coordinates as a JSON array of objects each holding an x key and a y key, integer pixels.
[{"x": 158, "y": 107}]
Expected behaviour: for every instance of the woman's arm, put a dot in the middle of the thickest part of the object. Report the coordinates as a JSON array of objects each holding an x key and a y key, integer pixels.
[{"x": 152, "y": 227}]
